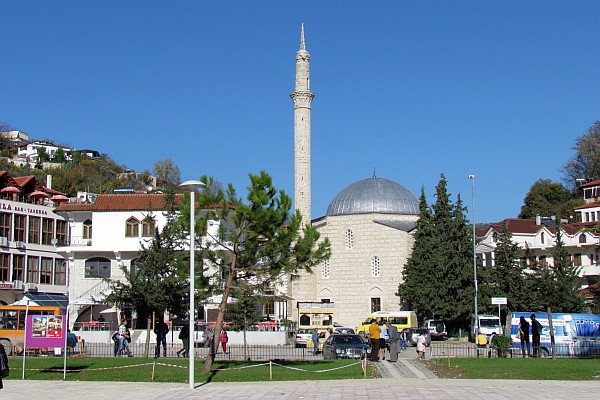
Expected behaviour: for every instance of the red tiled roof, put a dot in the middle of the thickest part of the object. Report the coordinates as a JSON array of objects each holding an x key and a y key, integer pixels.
[
  {"x": 528, "y": 226},
  {"x": 591, "y": 205},
  {"x": 120, "y": 202},
  {"x": 592, "y": 183}
]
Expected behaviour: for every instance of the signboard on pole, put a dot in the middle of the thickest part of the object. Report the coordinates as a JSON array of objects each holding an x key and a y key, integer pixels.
[
  {"x": 45, "y": 331},
  {"x": 499, "y": 300}
]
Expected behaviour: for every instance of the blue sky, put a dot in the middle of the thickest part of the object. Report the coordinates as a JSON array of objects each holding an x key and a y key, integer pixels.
[{"x": 499, "y": 89}]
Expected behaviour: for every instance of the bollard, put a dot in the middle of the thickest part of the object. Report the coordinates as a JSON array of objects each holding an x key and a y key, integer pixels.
[
  {"x": 153, "y": 366},
  {"x": 270, "y": 370}
]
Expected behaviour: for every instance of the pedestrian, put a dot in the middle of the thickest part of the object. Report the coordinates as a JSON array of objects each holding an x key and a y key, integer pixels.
[
  {"x": 161, "y": 329},
  {"x": 524, "y": 336},
  {"x": 536, "y": 330},
  {"x": 315, "y": 338},
  {"x": 490, "y": 345},
  {"x": 404, "y": 340},
  {"x": 123, "y": 338},
  {"x": 4, "y": 369},
  {"x": 393, "y": 339},
  {"x": 224, "y": 339},
  {"x": 184, "y": 336},
  {"x": 328, "y": 333},
  {"x": 383, "y": 336},
  {"x": 375, "y": 333},
  {"x": 421, "y": 344}
]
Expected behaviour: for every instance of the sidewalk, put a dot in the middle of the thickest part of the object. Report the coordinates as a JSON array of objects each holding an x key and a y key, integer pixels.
[{"x": 376, "y": 389}]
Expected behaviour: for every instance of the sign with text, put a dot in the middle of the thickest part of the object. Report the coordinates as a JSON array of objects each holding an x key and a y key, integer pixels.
[
  {"x": 498, "y": 300},
  {"x": 45, "y": 331}
]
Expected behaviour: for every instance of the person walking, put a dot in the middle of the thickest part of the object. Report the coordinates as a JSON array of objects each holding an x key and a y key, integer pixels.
[
  {"x": 403, "y": 340},
  {"x": 161, "y": 329},
  {"x": 524, "y": 336},
  {"x": 383, "y": 336},
  {"x": 224, "y": 339},
  {"x": 123, "y": 339},
  {"x": 315, "y": 338},
  {"x": 421, "y": 344},
  {"x": 393, "y": 339},
  {"x": 184, "y": 336},
  {"x": 536, "y": 330},
  {"x": 374, "y": 332},
  {"x": 4, "y": 369}
]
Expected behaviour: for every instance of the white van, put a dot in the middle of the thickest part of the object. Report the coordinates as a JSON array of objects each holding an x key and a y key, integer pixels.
[{"x": 488, "y": 324}]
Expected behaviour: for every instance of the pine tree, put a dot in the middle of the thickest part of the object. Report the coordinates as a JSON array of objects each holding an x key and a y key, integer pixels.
[{"x": 415, "y": 290}]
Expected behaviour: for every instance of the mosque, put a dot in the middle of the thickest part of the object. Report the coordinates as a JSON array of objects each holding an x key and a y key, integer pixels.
[{"x": 368, "y": 223}]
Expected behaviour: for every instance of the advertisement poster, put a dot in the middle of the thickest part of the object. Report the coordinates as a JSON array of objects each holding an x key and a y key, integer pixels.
[{"x": 45, "y": 331}]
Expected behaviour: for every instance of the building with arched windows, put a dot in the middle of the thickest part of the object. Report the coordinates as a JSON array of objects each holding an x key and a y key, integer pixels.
[{"x": 369, "y": 225}]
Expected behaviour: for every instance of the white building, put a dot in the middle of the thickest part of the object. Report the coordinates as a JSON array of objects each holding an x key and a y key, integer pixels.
[
  {"x": 30, "y": 230},
  {"x": 30, "y": 150}
]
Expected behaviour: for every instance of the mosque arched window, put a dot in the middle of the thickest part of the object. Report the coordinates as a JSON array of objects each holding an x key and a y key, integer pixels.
[
  {"x": 325, "y": 269},
  {"x": 349, "y": 239},
  {"x": 375, "y": 266}
]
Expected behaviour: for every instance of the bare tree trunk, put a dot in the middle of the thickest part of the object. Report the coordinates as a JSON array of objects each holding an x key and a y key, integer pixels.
[
  {"x": 552, "y": 342},
  {"x": 147, "y": 347},
  {"x": 210, "y": 358}
]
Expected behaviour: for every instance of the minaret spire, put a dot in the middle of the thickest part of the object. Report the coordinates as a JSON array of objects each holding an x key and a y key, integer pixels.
[
  {"x": 302, "y": 43},
  {"x": 302, "y": 98}
]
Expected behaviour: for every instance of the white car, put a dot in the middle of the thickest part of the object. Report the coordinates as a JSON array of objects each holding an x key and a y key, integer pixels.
[
  {"x": 436, "y": 328},
  {"x": 302, "y": 336}
]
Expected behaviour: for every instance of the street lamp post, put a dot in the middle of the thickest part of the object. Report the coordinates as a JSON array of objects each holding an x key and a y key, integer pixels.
[
  {"x": 472, "y": 178},
  {"x": 192, "y": 185}
]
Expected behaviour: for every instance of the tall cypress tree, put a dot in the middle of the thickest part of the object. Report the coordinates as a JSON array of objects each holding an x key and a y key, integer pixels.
[{"x": 415, "y": 290}]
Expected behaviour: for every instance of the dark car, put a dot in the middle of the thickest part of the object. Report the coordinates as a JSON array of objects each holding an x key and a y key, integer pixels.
[
  {"x": 345, "y": 346},
  {"x": 412, "y": 334}
]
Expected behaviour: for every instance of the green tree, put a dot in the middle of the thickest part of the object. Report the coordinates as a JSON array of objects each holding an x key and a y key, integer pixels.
[
  {"x": 508, "y": 278},
  {"x": 547, "y": 198},
  {"x": 244, "y": 312},
  {"x": 585, "y": 164},
  {"x": 260, "y": 242},
  {"x": 59, "y": 156},
  {"x": 415, "y": 289},
  {"x": 558, "y": 283}
]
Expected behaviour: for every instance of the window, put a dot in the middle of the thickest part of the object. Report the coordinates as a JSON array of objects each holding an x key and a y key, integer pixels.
[
  {"x": 542, "y": 261},
  {"x": 4, "y": 267},
  {"x": 591, "y": 259},
  {"x": 543, "y": 238},
  {"x": 133, "y": 266},
  {"x": 5, "y": 223},
  {"x": 582, "y": 238},
  {"x": 20, "y": 221},
  {"x": 33, "y": 269},
  {"x": 495, "y": 237},
  {"x": 46, "y": 271},
  {"x": 47, "y": 231},
  {"x": 349, "y": 239},
  {"x": 375, "y": 304},
  {"x": 60, "y": 272},
  {"x": 18, "y": 267},
  {"x": 132, "y": 227},
  {"x": 270, "y": 308},
  {"x": 34, "y": 230},
  {"x": 61, "y": 233},
  {"x": 148, "y": 227},
  {"x": 87, "y": 229},
  {"x": 325, "y": 269},
  {"x": 97, "y": 267},
  {"x": 375, "y": 269},
  {"x": 577, "y": 260}
]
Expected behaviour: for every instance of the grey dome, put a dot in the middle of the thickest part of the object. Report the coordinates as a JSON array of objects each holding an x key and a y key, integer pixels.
[{"x": 374, "y": 195}]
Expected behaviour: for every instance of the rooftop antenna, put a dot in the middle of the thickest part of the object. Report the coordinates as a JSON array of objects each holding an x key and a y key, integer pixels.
[{"x": 374, "y": 175}]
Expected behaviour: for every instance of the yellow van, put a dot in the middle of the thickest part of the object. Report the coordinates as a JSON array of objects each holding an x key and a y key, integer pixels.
[{"x": 400, "y": 319}]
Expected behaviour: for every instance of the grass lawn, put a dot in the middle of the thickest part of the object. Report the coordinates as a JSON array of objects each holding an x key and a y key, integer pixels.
[
  {"x": 517, "y": 368},
  {"x": 140, "y": 370}
]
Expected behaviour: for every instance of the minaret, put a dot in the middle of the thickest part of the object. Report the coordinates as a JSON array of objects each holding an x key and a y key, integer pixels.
[{"x": 302, "y": 98}]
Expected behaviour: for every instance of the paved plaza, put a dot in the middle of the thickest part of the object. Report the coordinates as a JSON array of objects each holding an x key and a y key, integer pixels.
[{"x": 377, "y": 389}]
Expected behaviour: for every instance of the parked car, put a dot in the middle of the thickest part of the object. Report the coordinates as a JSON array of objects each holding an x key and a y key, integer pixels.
[
  {"x": 437, "y": 329},
  {"x": 345, "y": 346},
  {"x": 343, "y": 330},
  {"x": 301, "y": 336},
  {"x": 412, "y": 334}
]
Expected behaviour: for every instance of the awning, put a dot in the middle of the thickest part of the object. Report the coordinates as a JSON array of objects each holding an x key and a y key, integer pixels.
[{"x": 44, "y": 299}]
